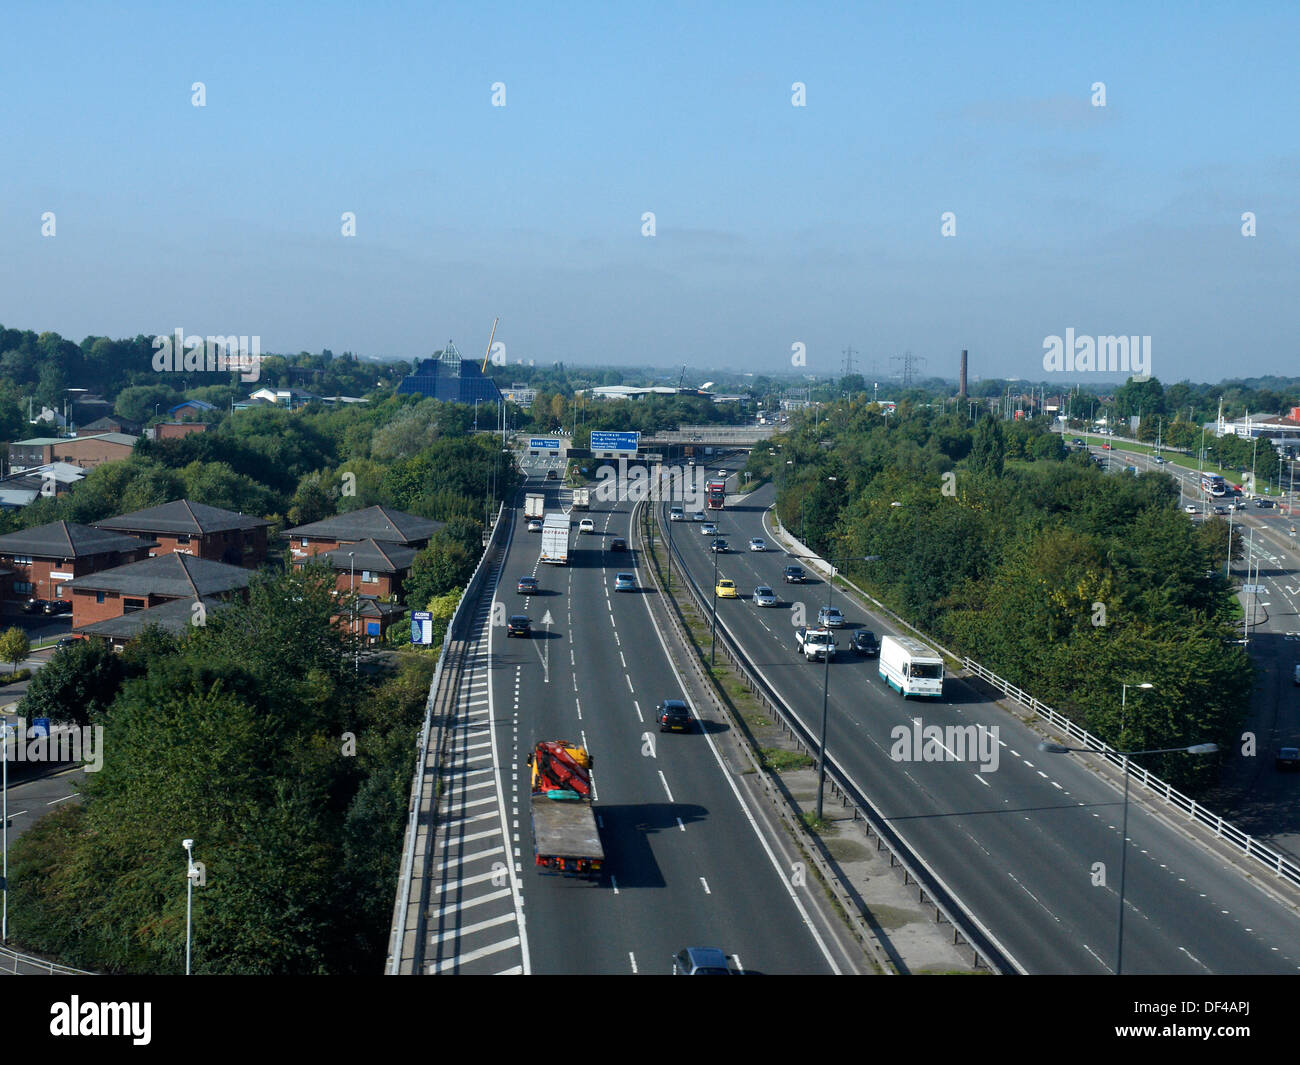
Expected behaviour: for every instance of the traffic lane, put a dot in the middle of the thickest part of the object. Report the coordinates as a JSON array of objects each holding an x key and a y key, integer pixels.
[{"x": 33, "y": 798}]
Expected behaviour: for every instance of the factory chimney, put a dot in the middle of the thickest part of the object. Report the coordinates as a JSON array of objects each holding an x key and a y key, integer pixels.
[{"x": 961, "y": 381}]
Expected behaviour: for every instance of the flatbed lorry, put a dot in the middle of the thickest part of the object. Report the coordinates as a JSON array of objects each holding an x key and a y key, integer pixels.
[{"x": 565, "y": 837}]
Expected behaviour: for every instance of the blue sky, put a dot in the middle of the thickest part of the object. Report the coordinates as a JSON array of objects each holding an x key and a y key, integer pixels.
[{"x": 775, "y": 224}]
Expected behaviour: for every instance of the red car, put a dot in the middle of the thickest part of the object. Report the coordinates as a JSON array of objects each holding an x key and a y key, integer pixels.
[{"x": 1105, "y": 447}]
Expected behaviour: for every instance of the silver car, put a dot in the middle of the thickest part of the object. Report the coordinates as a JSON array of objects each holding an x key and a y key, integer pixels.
[{"x": 764, "y": 596}]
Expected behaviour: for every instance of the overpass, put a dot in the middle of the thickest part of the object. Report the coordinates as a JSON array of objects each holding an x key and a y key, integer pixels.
[{"x": 735, "y": 436}]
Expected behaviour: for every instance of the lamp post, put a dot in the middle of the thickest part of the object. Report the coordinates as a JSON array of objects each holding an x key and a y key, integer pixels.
[
  {"x": 352, "y": 590},
  {"x": 713, "y": 626},
  {"x": 1123, "y": 703},
  {"x": 1056, "y": 748},
  {"x": 190, "y": 873},
  {"x": 5, "y": 730},
  {"x": 826, "y": 672}
]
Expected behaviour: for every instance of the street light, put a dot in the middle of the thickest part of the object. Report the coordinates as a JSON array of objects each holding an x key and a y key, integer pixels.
[
  {"x": 826, "y": 672},
  {"x": 190, "y": 873},
  {"x": 352, "y": 590},
  {"x": 1056, "y": 748},
  {"x": 5, "y": 730},
  {"x": 1123, "y": 703}
]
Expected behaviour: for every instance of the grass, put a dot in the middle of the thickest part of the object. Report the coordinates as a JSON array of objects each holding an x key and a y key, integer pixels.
[{"x": 779, "y": 760}]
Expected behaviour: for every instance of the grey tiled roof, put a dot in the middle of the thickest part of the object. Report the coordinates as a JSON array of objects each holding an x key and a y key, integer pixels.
[
  {"x": 175, "y": 617},
  {"x": 172, "y": 575},
  {"x": 372, "y": 523},
  {"x": 374, "y": 555},
  {"x": 181, "y": 516},
  {"x": 65, "y": 539}
]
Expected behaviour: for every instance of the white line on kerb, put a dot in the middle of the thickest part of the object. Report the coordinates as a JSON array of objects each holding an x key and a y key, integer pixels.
[
  {"x": 632, "y": 958},
  {"x": 706, "y": 886}
]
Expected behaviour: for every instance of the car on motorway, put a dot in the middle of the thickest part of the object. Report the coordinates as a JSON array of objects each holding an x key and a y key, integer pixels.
[
  {"x": 1191, "y": 508},
  {"x": 535, "y": 525},
  {"x": 829, "y": 617},
  {"x": 586, "y": 526},
  {"x": 618, "y": 544},
  {"x": 865, "y": 643},
  {"x": 708, "y": 529},
  {"x": 519, "y": 625},
  {"x": 701, "y": 961},
  {"x": 723, "y": 473},
  {"x": 552, "y": 475},
  {"x": 625, "y": 582},
  {"x": 764, "y": 596},
  {"x": 726, "y": 589},
  {"x": 794, "y": 575},
  {"x": 697, "y": 515},
  {"x": 758, "y": 544},
  {"x": 719, "y": 546},
  {"x": 676, "y": 514},
  {"x": 1287, "y": 758},
  {"x": 528, "y": 586},
  {"x": 673, "y": 715}
]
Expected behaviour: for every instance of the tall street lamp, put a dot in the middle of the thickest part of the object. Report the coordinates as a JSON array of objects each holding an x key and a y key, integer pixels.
[
  {"x": 826, "y": 672},
  {"x": 6, "y": 730},
  {"x": 352, "y": 590},
  {"x": 1056, "y": 748},
  {"x": 190, "y": 873},
  {"x": 1123, "y": 703}
]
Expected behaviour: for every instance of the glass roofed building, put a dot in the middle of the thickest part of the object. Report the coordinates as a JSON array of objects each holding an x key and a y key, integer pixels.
[{"x": 450, "y": 378}]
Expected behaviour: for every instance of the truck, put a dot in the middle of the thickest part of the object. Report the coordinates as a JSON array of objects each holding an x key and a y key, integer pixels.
[
  {"x": 555, "y": 539},
  {"x": 582, "y": 499},
  {"x": 911, "y": 668},
  {"x": 535, "y": 505},
  {"x": 565, "y": 836},
  {"x": 815, "y": 644},
  {"x": 715, "y": 494}
]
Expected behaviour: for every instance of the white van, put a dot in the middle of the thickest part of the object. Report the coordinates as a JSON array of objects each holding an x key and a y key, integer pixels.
[{"x": 911, "y": 668}]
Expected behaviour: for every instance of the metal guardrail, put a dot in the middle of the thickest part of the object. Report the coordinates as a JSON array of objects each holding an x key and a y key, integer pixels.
[
  {"x": 470, "y": 595},
  {"x": 10, "y": 960},
  {"x": 914, "y": 867},
  {"x": 1225, "y": 830}
]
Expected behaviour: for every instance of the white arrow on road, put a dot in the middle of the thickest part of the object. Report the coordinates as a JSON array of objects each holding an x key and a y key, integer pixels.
[{"x": 545, "y": 656}]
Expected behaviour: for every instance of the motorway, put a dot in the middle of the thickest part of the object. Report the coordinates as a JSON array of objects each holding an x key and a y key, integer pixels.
[
  {"x": 688, "y": 862},
  {"x": 1020, "y": 846}
]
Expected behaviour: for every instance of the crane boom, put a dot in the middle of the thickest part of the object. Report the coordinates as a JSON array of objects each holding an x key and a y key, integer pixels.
[{"x": 488, "y": 354}]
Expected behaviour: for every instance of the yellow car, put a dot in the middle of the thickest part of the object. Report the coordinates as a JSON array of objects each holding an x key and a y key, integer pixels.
[{"x": 726, "y": 590}]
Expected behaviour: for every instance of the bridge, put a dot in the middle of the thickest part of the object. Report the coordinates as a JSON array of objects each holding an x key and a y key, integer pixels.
[{"x": 734, "y": 436}]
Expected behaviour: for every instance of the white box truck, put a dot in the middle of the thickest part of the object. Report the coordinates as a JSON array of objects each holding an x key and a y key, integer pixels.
[
  {"x": 581, "y": 498},
  {"x": 555, "y": 539},
  {"x": 535, "y": 505},
  {"x": 911, "y": 668}
]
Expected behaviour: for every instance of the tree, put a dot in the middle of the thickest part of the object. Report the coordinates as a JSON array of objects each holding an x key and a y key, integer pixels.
[
  {"x": 77, "y": 684},
  {"x": 14, "y": 646},
  {"x": 987, "y": 452}
]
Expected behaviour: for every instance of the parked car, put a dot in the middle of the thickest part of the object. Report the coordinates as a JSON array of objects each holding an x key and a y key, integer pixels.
[
  {"x": 673, "y": 715},
  {"x": 758, "y": 544},
  {"x": 618, "y": 544},
  {"x": 56, "y": 606},
  {"x": 67, "y": 641},
  {"x": 865, "y": 643},
  {"x": 519, "y": 625},
  {"x": 1287, "y": 758},
  {"x": 625, "y": 582},
  {"x": 726, "y": 589},
  {"x": 32, "y": 606},
  {"x": 528, "y": 586},
  {"x": 794, "y": 575},
  {"x": 764, "y": 596},
  {"x": 829, "y": 617}
]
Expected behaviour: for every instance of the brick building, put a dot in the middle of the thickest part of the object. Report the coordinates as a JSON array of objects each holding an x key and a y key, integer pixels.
[
  {"x": 150, "y": 583},
  {"x": 184, "y": 527},
  {"x": 175, "y": 616},
  {"x": 84, "y": 451},
  {"x": 45, "y": 559},
  {"x": 379, "y": 523},
  {"x": 374, "y": 568}
]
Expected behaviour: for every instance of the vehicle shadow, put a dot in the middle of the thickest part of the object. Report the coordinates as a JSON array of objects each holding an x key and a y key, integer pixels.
[{"x": 626, "y": 832}]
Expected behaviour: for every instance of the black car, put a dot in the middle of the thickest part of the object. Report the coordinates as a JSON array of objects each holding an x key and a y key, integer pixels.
[
  {"x": 795, "y": 575},
  {"x": 618, "y": 544},
  {"x": 1264, "y": 504},
  {"x": 673, "y": 716},
  {"x": 865, "y": 642},
  {"x": 32, "y": 606},
  {"x": 56, "y": 606},
  {"x": 551, "y": 475},
  {"x": 719, "y": 546},
  {"x": 519, "y": 625}
]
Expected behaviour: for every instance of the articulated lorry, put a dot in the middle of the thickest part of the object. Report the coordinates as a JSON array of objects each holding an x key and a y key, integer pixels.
[
  {"x": 555, "y": 539},
  {"x": 911, "y": 668},
  {"x": 565, "y": 837},
  {"x": 535, "y": 505}
]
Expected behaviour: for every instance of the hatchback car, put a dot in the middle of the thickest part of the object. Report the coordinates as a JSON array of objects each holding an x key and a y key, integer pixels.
[
  {"x": 624, "y": 582},
  {"x": 701, "y": 961},
  {"x": 676, "y": 514},
  {"x": 726, "y": 589},
  {"x": 829, "y": 617},
  {"x": 720, "y": 547},
  {"x": 1264, "y": 504},
  {"x": 534, "y": 524},
  {"x": 764, "y": 596},
  {"x": 697, "y": 515},
  {"x": 618, "y": 544},
  {"x": 865, "y": 643},
  {"x": 519, "y": 625},
  {"x": 794, "y": 575},
  {"x": 708, "y": 529},
  {"x": 1191, "y": 508},
  {"x": 673, "y": 715},
  {"x": 586, "y": 526},
  {"x": 758, "y": 544},
  {"x": 528, "y": 586}
]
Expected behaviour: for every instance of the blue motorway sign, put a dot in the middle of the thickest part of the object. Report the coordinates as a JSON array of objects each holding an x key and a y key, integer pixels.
[
  {"x": 601, "y": 441},
  {"x": 543, "y": 443},
  {"x": 422, "y": 627}
]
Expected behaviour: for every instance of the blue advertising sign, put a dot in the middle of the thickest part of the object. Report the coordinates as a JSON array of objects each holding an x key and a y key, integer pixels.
[
  {"x": 422, "y": 627},
  {"x": 543, "y": 443},
  {"x": 40, "y": 727},
  {"x": 602, "y": 441}
]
